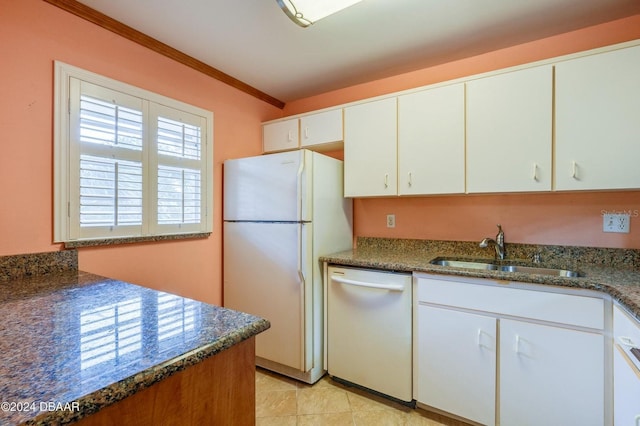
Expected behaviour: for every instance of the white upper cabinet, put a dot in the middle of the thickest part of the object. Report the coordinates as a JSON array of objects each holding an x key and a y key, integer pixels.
[
  {"x": 566, "y": 125},
  {"x": 509, "y": 131},
  {"x": 321, "y": 128},
  {"x": 280, "y": 136},
  {"x": 370, "y": 149},
  {"x": 598, "y": 121},
  {"x": 431, "y": 141}
]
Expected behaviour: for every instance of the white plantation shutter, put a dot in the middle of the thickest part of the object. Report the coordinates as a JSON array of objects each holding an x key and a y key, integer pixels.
[
  {"x": 129, "y": 163},
  {"x": 107, "y": 123},
  {"x": 180, "y": 155},
  {"x": 110, "y": 192},
  {"x": 179, "y": 139},
  {"x": 107, "y": 191},
  {"x": 178, "y": 195}
]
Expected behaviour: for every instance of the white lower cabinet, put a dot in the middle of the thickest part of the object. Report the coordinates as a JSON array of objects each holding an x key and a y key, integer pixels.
[
  {"x": 550, "y": 375},
  {"x": 626, "y": 370},
  {"x": 465, "y": 345},
  {"x": 498, "y": 355}
]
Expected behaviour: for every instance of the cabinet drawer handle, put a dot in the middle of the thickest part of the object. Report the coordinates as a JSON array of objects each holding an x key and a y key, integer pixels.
[
  {"x": 290, "y": 136},
  {"x": 535, "y": 171},
  {"x": 517, "y": 345},
  {"x": 479, "y": 339},
  {"x": 626, "y": 341},
  {"x": 386, "y": 180},
  {"x": 574, "y": 170},
  {"x": 409, "y": 178},
  {"x": 306, "y": 133}
]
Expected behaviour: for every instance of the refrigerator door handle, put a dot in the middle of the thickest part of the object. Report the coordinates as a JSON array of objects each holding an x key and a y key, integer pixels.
[
  {"x": 300, "y": 254},
  {"x": 306, "y": 350},
  {"x": 300, "y": 195}
]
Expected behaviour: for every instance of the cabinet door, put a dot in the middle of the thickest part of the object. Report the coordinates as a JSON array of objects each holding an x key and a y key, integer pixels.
[
  {"x": 509, "y": 131},
  {"x": 626, "y": 369},
  {"x": 456, "y": 363},
  {"x": 597, "y": 121},
  {"x": 550, "y": 375},
  {"x": 280, "y": 136},
  {"x": 626, "y": 391},
  {"x": 431, "y": 141},
  {"x": 321, "y": 128},
  {"x": 370, "y": 149}
]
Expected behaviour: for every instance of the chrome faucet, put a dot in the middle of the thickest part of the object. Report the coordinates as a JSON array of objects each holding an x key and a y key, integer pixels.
[{"x": 498, "y": 243}]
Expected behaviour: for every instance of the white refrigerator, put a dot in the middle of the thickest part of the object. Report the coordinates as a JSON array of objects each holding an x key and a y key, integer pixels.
[{"x": 281, "y": 213}]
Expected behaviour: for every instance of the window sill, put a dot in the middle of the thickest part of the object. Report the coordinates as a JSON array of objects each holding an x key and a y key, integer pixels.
[{"x": 131, "y": 240}]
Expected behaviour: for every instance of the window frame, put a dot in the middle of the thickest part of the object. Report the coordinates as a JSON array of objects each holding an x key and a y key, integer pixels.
[{"x": 66, "y": 175}]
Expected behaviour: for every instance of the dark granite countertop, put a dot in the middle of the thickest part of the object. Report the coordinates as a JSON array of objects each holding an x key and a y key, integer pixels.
[
  {"x": 73, "y": 342},
  {"x": 613, "y": 271}
]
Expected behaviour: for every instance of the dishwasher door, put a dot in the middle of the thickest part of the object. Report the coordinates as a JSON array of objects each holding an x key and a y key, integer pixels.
[{"x": 369, "y": 329}]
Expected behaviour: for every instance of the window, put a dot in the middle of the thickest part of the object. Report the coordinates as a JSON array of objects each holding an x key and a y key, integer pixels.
[{"x": 128, "y": 162}]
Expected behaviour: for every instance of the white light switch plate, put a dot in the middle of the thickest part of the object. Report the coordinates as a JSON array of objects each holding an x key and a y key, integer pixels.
[{"x": 615, "y": 223}]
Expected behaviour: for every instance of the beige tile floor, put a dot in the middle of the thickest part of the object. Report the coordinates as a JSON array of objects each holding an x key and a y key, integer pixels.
[{"x": 283, "y": 401}]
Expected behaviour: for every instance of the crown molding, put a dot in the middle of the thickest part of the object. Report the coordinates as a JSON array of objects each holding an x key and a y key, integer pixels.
[{"x": 117, "y": 27}]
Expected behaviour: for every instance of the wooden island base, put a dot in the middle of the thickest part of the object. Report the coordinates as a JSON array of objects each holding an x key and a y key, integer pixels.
[{"x": 217, "y": 391}]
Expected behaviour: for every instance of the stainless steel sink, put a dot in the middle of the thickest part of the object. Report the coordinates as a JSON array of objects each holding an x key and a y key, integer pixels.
[
  {"x": 487, "y": 266},
  {"x": 465, "y": 264},
  {"x": 539, "y": 271}
]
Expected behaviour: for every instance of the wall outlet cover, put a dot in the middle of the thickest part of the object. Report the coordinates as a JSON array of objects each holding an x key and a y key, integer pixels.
[
  {"x": 391, "y": 221},
  {"x": 615, "y": 222}
]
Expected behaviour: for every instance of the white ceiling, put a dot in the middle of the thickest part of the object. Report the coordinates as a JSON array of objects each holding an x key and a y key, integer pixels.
[{"x": 255, "y": 42}]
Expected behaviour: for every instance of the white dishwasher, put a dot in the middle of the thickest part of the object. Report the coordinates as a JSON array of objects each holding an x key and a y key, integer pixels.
[{"x": 369, "y": 329}]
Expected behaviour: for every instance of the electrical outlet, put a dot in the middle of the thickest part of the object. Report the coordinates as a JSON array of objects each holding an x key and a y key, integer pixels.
[
  {"x": 391, "y": 221},
  {"x": 615, "y": 223}
]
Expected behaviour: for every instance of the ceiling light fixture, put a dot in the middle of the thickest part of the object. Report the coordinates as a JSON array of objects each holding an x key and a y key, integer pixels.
[{"x": 306, "y": 12}]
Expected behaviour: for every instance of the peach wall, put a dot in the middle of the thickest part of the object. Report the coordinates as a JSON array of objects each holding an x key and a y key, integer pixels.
[
  {"x": 554, "y": 218},
  {"x": 589, "y": 38},
  {"x": 33, "y": 34}
]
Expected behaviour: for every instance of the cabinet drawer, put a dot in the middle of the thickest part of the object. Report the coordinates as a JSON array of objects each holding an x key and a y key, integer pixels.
[{"x": 568, "y": 309}]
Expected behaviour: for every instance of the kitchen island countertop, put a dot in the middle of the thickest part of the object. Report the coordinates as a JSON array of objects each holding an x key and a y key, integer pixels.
[
  {"x": 613, "y": 272},
  {"x": 72, "y": 343}
]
